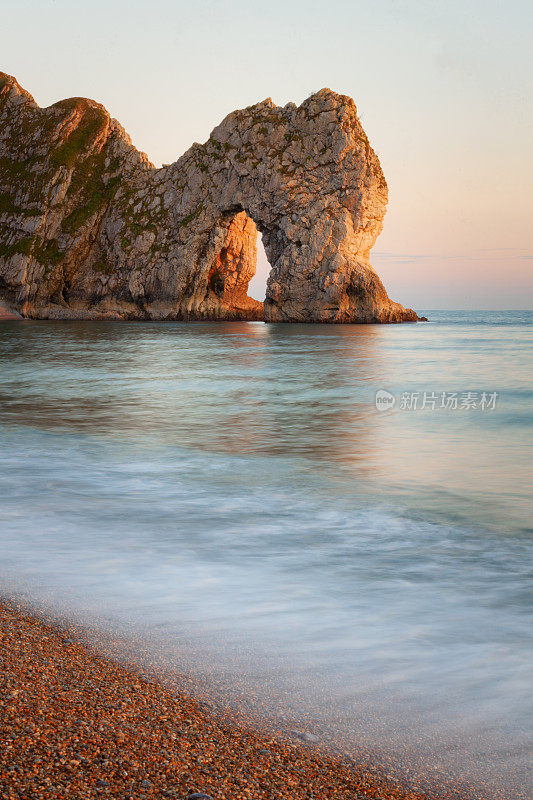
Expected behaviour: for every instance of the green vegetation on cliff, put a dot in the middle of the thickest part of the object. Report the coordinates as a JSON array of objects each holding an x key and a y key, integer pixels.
[{"x": 93, "y": 123}]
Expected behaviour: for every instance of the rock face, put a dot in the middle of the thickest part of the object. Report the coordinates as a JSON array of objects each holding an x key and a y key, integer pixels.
[
  {"x": 7, "y": 313},
  {"x": 90, "y": 229}
]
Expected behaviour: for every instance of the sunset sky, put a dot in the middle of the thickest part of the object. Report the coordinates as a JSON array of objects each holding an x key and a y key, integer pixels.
[{"x": 443, "y": 90}]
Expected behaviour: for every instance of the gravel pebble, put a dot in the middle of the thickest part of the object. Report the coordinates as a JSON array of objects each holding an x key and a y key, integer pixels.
[{"x": 68, "y": 714}]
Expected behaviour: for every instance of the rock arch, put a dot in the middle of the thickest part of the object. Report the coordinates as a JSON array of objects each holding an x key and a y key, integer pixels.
[{"x": 91, "y": 228}]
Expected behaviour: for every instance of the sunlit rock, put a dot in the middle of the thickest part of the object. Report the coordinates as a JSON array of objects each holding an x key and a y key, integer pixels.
[{"x": 89, "y": 228}]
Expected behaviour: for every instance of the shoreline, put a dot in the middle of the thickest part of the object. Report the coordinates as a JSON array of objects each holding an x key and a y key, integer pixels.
[
  {"x": 74, "y": 723},
  {"x": 64, "y": 314}
]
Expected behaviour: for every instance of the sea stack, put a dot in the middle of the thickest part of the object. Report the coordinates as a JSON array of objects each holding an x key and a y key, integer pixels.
[{"x": 90, "y": 229}]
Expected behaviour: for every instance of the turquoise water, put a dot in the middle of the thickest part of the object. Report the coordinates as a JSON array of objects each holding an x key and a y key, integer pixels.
[{"x": 229, "y": 493}]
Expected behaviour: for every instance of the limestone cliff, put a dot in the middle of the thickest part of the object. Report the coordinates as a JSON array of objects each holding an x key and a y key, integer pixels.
[{"x": 89, "y": 228}]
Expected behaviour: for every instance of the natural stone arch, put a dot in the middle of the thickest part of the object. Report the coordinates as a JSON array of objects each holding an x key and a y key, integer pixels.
[
  {"x": 115, "y": 236},
  {"x": 224, "y": 273}
]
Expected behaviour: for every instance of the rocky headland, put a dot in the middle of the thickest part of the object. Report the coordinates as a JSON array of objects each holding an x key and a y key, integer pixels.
[{"x": 90, "y": 229}]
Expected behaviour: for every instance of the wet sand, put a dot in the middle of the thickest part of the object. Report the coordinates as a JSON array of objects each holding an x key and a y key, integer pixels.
[{"x": 75, "y": 724}]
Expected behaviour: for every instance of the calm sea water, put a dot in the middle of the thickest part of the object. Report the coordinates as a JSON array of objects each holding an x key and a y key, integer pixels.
[{"x": 230, "y": 494}]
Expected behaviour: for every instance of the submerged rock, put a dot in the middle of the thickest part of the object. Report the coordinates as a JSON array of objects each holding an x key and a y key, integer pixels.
[
  {"x": 306, "y": 736},
  {"x": 90, "y": 229}
]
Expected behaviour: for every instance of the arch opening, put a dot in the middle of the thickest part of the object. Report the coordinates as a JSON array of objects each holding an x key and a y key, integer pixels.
[
  {"x": 258, "y": 284},
  {"x": 237, "y": 268}
]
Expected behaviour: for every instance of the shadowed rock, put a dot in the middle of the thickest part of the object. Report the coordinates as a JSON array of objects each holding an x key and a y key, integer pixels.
[
  {"x": 7, "y": 313},
  {"x": 90, "y": 229}
]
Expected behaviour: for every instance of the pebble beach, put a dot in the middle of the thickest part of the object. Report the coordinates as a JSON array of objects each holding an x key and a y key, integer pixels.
[{"x": 75, "y": 724}]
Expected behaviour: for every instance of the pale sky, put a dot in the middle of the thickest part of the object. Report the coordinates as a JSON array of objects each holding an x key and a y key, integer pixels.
[{"x": 443, "y": 90}]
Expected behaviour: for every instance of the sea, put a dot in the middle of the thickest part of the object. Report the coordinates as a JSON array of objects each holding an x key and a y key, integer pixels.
[{"x": 333, "y": 521}]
